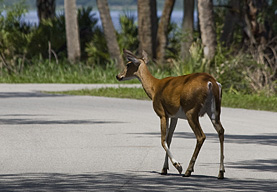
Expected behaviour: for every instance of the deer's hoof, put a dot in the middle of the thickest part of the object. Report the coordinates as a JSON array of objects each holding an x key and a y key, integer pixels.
[
  {"x": 187, "y": 174},
  {"x": 221, "y": 175},
  {"x": 178, "y": 167},
  {"x": 164, "y": 171}
]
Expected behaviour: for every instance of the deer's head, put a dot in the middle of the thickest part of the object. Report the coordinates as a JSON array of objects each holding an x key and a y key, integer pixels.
[{"x": 132, "y": 67}]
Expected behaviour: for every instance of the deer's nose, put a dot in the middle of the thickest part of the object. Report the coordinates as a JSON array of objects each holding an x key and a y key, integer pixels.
[{"x": 119, "y": 78}]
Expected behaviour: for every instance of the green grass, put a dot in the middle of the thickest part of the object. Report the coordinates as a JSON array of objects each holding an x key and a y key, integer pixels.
[
  {"x": 122, "y": 92},
  {"x": 256, "y": 102},
  {"x": 64, "y": 72},
  {"x": 43, "y": 71}
]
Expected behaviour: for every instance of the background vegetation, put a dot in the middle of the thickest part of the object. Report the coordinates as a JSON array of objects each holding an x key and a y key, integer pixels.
[{"x": 244, "y": 64}]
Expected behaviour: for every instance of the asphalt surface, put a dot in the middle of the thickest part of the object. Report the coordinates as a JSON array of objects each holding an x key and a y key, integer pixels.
[{"x": 81, "y": 143}]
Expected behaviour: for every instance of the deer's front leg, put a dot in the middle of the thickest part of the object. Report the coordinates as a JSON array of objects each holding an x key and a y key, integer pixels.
[
  {"x": 164, "y": 125},
  {"x": 169, "y": 134}
]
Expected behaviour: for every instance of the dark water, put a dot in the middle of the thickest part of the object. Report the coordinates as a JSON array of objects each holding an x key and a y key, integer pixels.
[{"x": 176, "y": 17}]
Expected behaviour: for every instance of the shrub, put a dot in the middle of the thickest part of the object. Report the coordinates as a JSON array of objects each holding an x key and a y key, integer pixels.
[{"x": 128, "y": 35}]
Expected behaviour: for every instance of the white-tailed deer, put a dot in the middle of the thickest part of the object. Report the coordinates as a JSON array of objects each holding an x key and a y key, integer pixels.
[{"x": 185, "y": 97}]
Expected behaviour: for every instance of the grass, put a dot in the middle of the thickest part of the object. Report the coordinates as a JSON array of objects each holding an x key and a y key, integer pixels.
[
  {"x": 63, "y": 72},
  {"x": 43, "y": 71},
  {"x": 122, "y": 92},
  {"x": 256, "y": 102}
]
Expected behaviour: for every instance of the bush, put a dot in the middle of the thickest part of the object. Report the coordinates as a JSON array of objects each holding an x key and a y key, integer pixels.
[
  {"x": 21, "y": 42},
  {"x": 14, "y": 35},
  {"x": 128, "y": 36},
  {"x": 45, "y": 38}
]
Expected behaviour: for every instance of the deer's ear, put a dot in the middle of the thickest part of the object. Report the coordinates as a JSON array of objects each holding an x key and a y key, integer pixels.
[
  {"x": 145, "y": 56},
  {"x": 131, "y": 57}
]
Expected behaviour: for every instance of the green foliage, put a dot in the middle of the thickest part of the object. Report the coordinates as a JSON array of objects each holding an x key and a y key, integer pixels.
[
  {"x": 94, "y": 42},
  {"x": 45, "y": 36},
  {"x": 22, "y": 42},
  {"x": 227, "y": 69},
  {"x": 62, "y": 72},
  {"x": 88, "y": 28},
  {"x": 174, "y": 38},
  {"x": 97, "y": 50},
  {"x": 14, "y": 37},
  {"x": 193, "y": 64},
  {"x": 26, "y": 49},
  {"x": 128, "y": 36}
]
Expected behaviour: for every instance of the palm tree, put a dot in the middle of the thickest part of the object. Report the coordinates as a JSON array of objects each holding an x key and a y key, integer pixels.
[
  {"x": 109, "y": 32},
  {"x": 187, "y": 28},
  {"x": 147, "y": 26},
  {"x": 72, "y": 30},
  {"x": 163, "y": 29},
  {"x": 46, "y": 9},
  {"x": 207, "y": 27}
]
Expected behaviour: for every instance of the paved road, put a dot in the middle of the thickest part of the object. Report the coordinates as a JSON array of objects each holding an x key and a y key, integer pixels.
[{"x": 81, "y": 143}]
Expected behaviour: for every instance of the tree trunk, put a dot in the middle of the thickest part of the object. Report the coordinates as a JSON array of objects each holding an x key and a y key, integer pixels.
[
  {"x": 257, "y": 31},
  {"x": 46, "y": 9},
  {"x": 231, "y": 19},
  {"x": 163, "y": 28},
  {"x": 187, "y": 28},
  {"x": 147, "y": 26},
  {"x": 72, "y": 31},
  {"x": 109, "y": 32},
  {"x": 207, "y": 27}
]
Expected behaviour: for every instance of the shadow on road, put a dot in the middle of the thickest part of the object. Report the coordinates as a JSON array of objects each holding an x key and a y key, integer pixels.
[
  {"x": 127, "y": 182},
  {"x": 267, "y": 165},
  {"x": 28, "y": 94},
  {"x": 263, "y": 139},
  {"x": 22, "y": 121}
]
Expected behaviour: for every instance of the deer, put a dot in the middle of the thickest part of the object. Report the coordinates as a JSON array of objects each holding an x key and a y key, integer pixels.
[{"x": 183, "y": 97}]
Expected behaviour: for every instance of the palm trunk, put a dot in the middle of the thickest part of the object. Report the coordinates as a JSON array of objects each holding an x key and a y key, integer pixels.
[
  {"x": 109, "y": 32},
  {"x": 187, "y": 28},
  {"x": 147, "y": 26},
  {"x": 72, "y": 31},
  {"x": 163, "y": 29},
  {"x": 207, "y": 27}
]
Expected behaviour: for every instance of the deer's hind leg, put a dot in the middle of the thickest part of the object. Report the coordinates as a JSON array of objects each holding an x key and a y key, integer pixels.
[
  {"x": 193, "y": 121},
  {"x": 214, "y": 115},
  {"x": 220, "y": 130},
  {"x": 169, "y": 134}
]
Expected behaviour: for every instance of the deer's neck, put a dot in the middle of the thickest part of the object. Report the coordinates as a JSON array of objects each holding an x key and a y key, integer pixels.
[{"x": 148, "y": 81}]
